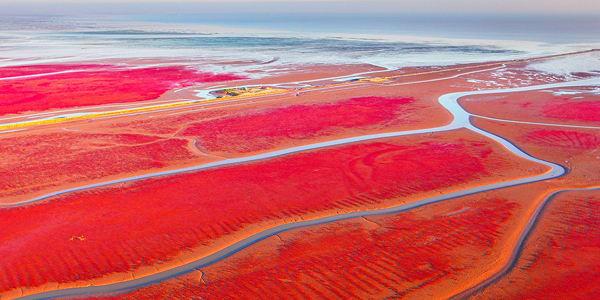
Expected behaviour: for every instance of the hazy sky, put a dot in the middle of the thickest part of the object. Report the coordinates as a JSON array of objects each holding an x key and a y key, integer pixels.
[{"x": 400, "y": 6}]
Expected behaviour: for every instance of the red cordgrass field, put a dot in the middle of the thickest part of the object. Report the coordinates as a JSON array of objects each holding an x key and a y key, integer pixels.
[
  {"x": 563, "y": 139},
  {"x": 348, "y": 260},
  {"x": 104, "y": 85},
  {"x": 146, "y": 222},
  {"x": 561, "y": 259},
  {"x": 568, "y": 111},
  {"x": 35, "y": 163},
  {"x": 38, "y": 162},
  {"x": 538, "y": 106},
  {"x": 142, "y": 227},
  {"x": 265, "y": 129}
]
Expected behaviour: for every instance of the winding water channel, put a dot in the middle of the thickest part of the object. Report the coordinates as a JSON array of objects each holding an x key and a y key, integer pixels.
[
  {"x": 449, "y": 101},
  {"x": 517, "y": 249}
]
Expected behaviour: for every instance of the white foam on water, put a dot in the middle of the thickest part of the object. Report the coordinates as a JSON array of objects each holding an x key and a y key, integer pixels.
[
  {"x": 568, "y": 65},
  {"x": 562, "y": 92}
]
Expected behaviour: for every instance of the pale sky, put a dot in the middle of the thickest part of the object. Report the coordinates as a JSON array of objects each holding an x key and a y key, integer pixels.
[{"x": 400, "y": 6}]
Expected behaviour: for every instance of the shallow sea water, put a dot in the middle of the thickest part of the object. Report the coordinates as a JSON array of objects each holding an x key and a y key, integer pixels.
[{"x": 386, "y": 40}]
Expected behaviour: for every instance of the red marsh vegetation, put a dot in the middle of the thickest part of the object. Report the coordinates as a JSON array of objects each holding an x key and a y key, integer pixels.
[
  {"x": 36, "y": 163},
  {"x": 95, "y": 87},
  {"x": 264, "y": 129},
  {"x": 46, "y": 160},
  {"x": 538, "y": 106},
  {"x": 392, "y": 257},
  {"x": 573, "y": 148},
  {"x": 561, "y": 259},
  {"x": 151, "y": 221}
]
